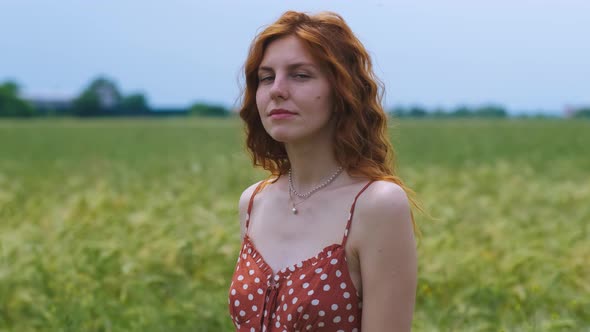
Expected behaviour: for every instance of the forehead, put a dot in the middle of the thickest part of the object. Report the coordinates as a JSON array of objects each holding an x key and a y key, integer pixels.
[{"x": 285, "y": 51}]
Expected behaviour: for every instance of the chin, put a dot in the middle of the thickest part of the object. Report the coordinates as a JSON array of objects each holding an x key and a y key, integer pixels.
[
  {"x": 280, "y": 137},
  {"x": 283, "y": 136}
]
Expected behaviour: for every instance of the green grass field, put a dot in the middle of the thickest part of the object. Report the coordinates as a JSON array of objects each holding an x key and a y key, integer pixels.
[{"x": 131, "y": 225}]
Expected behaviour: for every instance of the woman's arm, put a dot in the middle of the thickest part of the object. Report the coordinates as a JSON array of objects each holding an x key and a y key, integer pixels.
[{"x": 388, "y": 259}]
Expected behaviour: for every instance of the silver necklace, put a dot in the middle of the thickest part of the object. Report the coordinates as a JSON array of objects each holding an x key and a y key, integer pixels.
[
  {"x": 309, "y": 193},
  {"x": 293, "y": 204}
]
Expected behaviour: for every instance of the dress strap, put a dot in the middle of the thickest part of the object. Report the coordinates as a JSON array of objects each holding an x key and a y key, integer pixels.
[
  {"x": 346, "y": 231},
  {"x": 260, "y": 185}
]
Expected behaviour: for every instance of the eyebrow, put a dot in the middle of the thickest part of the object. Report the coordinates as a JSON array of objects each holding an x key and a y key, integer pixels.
[{"x": 290, "y": 67}]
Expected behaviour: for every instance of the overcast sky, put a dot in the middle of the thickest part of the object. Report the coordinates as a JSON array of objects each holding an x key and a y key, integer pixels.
[{"x": 527, "y": 55}]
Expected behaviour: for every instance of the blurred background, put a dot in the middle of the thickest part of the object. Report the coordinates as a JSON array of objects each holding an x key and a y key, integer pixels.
[{"x": 122, "y": 158}]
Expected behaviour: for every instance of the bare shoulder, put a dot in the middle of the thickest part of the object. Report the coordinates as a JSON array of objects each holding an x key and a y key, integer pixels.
[
  {"x": 243, "y": 205},
  {"x": 383, "y": 202},
  {"x": 245, "y": 198},
  {"x": 383, "y": 211}
]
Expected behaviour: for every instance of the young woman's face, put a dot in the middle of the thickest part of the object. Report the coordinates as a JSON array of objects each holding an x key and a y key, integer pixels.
[{"x": 294, "y": 96}]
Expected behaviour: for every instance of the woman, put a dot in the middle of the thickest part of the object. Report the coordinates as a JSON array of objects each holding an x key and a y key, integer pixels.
[{"x": 328, "y": 241}]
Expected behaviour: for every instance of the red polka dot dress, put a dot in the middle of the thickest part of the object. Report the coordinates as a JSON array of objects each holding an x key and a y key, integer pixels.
[{"x": 316, "y": 294}]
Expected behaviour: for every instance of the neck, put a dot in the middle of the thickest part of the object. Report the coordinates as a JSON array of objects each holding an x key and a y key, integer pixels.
[{"x": 311, "y": 164}]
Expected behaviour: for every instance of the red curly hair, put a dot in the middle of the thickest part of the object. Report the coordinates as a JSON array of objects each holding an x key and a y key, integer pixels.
[{"x": 361, "y": 144}]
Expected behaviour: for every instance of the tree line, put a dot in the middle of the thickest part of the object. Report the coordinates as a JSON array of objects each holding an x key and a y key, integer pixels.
[
  {"x": 485, "y": 111},
  {"x": 102, "y": 98}
]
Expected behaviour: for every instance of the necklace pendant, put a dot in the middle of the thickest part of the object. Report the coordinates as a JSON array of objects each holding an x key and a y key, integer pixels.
[{"x": 294, "y": 210}]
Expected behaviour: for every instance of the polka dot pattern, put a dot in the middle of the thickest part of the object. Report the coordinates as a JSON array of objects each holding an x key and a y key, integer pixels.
[{"x": 315, "y": 294}]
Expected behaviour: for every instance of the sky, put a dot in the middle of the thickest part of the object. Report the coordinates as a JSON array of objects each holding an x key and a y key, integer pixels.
[{"x": 527, "y": 55}]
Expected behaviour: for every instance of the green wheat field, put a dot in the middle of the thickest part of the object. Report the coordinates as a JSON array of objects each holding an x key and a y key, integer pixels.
[{"x": 131, "y": 224}]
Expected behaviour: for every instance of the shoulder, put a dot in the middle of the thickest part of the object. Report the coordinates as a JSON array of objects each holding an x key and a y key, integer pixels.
[
  {"x": 248, "y": 192},
  {"x": 383, "y": 201},
  {"x": 383, "y": 212},
  {"x": 244, "y": 202},
  {"x": 245, "y": 199}
]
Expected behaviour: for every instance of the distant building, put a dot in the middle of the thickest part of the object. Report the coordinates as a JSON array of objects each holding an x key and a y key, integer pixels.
[{"x": 50, "y": 104}]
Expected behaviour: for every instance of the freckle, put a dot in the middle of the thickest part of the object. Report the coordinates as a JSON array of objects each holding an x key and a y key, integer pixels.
[{"x": 318, "y": 97}]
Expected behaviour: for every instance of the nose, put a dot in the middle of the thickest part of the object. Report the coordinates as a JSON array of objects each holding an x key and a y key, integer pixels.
[{"x": 279, "y": 88}]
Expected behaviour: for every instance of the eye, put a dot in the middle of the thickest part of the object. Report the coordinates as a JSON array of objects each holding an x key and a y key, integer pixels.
[
  {"x": 301, "y": 76},
  {"x": 265, "y": 79}
]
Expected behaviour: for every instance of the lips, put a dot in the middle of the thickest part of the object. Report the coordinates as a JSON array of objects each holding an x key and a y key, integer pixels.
[{"x": 280, "y": 111}]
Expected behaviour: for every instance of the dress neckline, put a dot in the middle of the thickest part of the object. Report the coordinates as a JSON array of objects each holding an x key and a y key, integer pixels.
[{"x": 328, "y": 251}]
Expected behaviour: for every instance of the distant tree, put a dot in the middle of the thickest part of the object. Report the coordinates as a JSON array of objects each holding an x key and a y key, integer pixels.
[
  {"x": 101, "y": 96},
  {"x": 462, "y": 112},
  {"x": 398, "y": 111},
  {"x": 87, "y": 104},
  {"x": 202, "y": 109},
  {"x": 491, "y": 111},
  {"x": 439, "y": 113},
  {"x": 417, "y": 112},
  {"x": 134, "y": 104},
  {"x": 11, "y": 105},
  {"x": 582, "y": 112},
  {"x": 11, "y": 88}
]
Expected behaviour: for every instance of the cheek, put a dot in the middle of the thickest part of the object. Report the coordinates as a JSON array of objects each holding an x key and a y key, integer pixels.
[
  {"x": 324, "y": 102},
  {"x": 260, "y": 102}
]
